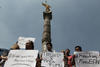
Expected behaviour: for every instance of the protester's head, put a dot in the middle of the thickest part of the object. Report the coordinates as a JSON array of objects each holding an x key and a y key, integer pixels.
[
  {"x": 67, "y": 52},
  {"x": 15, "y": 46},
  {"x": 5, "y": 53},
  {"x": 49, "y": 47},
  {"x": 29, "y": 45},
  {"x": 78, "y": 48}
]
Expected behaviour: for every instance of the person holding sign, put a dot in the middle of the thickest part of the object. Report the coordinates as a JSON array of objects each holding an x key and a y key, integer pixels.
[
  {"x": 49, "y": 47},
  {"x": 77, "y": 49},
  {"x": 68, "y": 59},
  {"x": 29, "y": 45},
  {"x": 3, "y": 58}
]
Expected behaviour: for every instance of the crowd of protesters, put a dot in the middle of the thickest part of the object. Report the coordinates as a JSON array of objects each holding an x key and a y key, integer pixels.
[{"x": 69, "y": 60}]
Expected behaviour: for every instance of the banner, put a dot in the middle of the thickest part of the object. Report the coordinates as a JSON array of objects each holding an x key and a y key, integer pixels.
[
  {"x": 23, "y": 40},
  {"x": 52, "y": 59},
  {"x": 22, "y": 58},
  {"x": 87, "y": 59}
]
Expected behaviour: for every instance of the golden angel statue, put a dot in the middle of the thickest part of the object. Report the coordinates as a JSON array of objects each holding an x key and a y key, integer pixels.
[{"x": 47, "y": 7}]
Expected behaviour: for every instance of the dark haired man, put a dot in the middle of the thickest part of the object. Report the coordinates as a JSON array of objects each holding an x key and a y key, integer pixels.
[{"x": 49, "y": 47}]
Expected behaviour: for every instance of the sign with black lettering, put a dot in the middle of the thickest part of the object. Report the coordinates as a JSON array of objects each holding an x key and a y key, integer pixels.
[
  {"x": 52, "y": 59},
  {"x": 22, "y": 58},
  {"x": 87, "y": 59}
]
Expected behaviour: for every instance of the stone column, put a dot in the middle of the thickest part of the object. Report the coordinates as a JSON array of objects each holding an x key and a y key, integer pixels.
[{"x": 47, "y": 29}]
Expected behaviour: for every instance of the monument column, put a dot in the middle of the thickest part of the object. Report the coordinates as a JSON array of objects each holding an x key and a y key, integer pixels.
[{"x": 47, "y": 16}]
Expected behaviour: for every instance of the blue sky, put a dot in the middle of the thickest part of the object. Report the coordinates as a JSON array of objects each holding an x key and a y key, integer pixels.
[{"x": 75, "y": 22}]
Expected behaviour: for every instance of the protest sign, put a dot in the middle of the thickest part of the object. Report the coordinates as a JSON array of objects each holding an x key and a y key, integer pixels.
[
  {"x": 22, "y": 41},
  {"x": 22, "y": 58},
  {"x": 87, "y": 59},
  {"x": 52, "y": 59}
]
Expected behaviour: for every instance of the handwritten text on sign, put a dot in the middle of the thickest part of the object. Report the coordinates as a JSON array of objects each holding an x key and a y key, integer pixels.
[
  {"x": 52, "y": 59},
  {"x": 87, "y": 59},
  {"x": 22, "y": 58}
]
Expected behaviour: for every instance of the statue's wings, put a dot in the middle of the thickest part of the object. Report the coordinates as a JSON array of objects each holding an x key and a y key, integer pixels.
[{"x": 46, "y": 5}]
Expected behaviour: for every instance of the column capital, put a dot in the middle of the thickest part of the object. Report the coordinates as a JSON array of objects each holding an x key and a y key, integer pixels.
[{"x": 47, "y": 15}]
